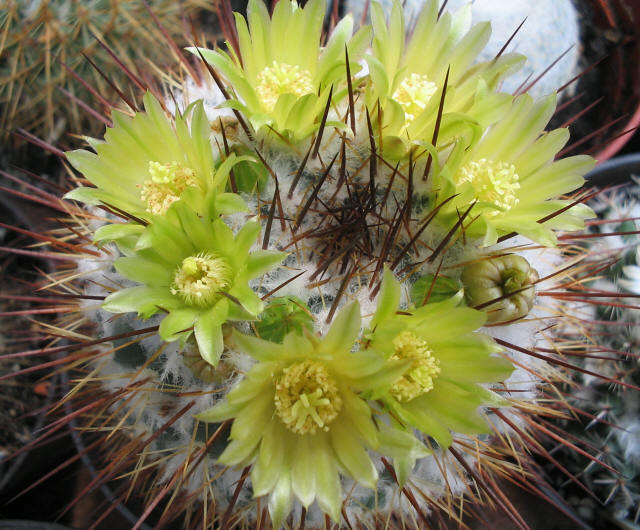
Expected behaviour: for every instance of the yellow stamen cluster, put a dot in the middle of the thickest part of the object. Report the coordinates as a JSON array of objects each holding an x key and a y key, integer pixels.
[
  {"x": 418, "y": 379},
  {"x": 282, "y": 78},
  {"x": 165, "y": 186},
  {"x": 413, "y": 94},
  {"x": 307, "y": 398},
  {"x": 494, "y": 182},
  {"x": 200, "y": 279}
]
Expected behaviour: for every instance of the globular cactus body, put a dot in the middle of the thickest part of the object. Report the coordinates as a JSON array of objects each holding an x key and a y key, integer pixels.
[{"x": 353, "y": 253}]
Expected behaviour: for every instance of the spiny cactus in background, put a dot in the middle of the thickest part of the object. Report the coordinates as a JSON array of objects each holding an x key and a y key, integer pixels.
[
  {"x": 612, "y": 427},
  {"x": 336, "y": 284},
  {"x": 41, "y": 40}
]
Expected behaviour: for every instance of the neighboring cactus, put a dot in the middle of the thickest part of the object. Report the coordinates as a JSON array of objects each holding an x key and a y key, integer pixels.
[
  {"x": 310, "y": 189},
  {"x": 38, "y": 35},
  {"x": 613, "y": 424}
]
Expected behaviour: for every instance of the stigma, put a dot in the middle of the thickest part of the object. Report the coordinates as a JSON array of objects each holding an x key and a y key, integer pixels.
[
  {"x": 424, "y": 369},
  {"x": 493, "y": 182},
  {"x": 165, "y": 186},
  {"x": 307, "y": 398},
  {"x": 413, "y": 95},
  {"x": 282, "y": 78},
  {"x": 200, "y": 279}
]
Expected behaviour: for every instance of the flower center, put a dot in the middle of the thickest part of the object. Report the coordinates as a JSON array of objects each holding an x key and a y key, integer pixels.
[
  {"x": 413, "y": 94},
  {"x": 494, "y": 182},
  {"x": 165, "y": 186},
  {"x": 200, "y": 279},
  {"x": 306, "y": 398},
  {"x": 418, "y": 379},
  {"x": 282, "y": 78}
]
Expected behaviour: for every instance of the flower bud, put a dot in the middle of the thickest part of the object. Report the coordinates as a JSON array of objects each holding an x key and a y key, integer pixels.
[
  {"x": 203, "y": 370},
  {"x": 502, "y": 286}
]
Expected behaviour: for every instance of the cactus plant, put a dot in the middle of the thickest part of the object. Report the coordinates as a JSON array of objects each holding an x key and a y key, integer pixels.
[
  {"x": 42, "y": 39},
  {"x": 328, "y": 290},
  {"x": 611, "y": 423}
]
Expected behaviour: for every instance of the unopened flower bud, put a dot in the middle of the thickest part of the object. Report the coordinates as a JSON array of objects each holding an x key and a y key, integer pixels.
[{"x": 502, "y": 286}]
